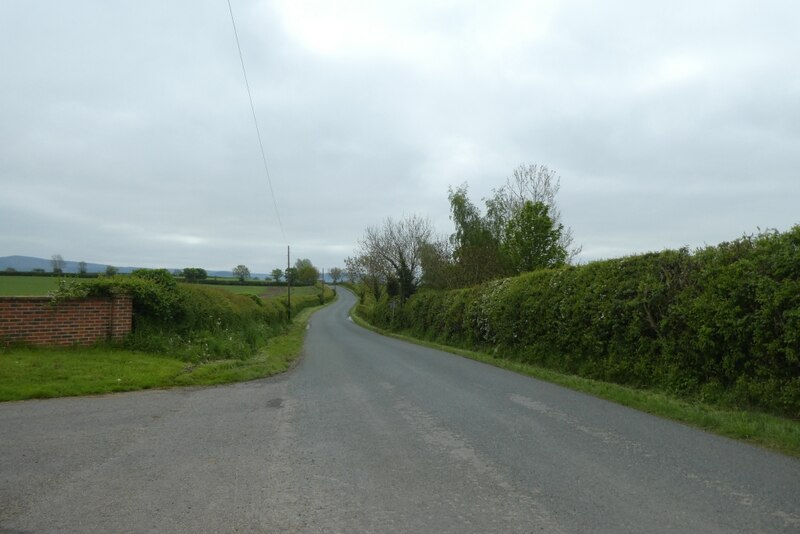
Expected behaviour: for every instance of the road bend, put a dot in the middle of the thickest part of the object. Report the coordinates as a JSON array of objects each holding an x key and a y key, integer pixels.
[{"x": 371, "y": 434}]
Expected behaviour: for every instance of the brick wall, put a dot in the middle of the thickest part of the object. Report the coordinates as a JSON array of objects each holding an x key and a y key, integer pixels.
[{"x": 35, "y": 321}]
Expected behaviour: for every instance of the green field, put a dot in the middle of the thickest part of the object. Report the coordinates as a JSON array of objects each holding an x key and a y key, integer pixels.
[
  {"x": 39, "y": 286},
  {"x": 27, "y": 286},
  {"x": 269, "y": 291}
]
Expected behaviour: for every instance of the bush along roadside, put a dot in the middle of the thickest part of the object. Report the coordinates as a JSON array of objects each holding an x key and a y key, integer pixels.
[
  {"x": 720, "y": 325},
  {"x": 192, "y": 322}
]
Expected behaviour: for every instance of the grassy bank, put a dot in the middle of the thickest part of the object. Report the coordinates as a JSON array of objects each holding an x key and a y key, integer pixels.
[
  {"x": 183, "y": 334},
  {"x": 769, "y": 431},
  {"x": 28, "y": 373}
]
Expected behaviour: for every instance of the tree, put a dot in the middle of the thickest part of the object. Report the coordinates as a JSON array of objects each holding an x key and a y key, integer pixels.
[
  {"x": 58, "y": 263},
  {"x": 534, "y": 183},
  {"x": 354, "y": 269},
  {"x": 82, "y": 267},
  {"x": 336, "y": 274},
  {"x": 521, "y": 230},
  {"x": 111, "y": 270},
  {"x": 306, "y": 272},
  {"x": 291, "y": 276},
  {"x": 241, "y": 272},
  {"x": 368, "y": 272},
  {"x": 393, "y": 250},
  {"x": 477, "y": 249},
  {"x": 439, "y": 270},
  {"x": 532, "y": 239},
  {"x": 277, "y": 274},
  {"x": 194, "y": 274}
]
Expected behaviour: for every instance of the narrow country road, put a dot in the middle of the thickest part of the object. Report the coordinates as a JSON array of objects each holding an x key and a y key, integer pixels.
[{"x": 369, "y": 434}]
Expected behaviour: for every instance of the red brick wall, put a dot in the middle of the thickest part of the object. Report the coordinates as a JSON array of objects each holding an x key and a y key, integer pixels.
[{"x": 35, "y": 321}]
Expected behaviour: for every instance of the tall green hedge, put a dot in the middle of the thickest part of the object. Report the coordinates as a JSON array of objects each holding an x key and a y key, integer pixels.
[
  {"x": 192, "y": 321},
  {"x": 721, "y": 323}
]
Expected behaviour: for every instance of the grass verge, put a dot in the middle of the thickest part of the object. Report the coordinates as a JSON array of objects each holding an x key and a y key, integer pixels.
[
  {"x": 775, "y": 433},
  {"x": 28, "y": 373}
]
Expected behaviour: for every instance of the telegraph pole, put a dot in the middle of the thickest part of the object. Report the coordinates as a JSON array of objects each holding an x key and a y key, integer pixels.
[{"x": 288, "y": 283}]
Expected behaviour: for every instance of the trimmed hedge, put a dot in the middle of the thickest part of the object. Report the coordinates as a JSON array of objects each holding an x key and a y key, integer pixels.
[
  {"x": 192, "y": 321},
  {"x": 721, "y": 324}
]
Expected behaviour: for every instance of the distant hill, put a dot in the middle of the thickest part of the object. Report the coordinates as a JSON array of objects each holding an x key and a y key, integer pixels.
[{"x": 30, "y": 263}]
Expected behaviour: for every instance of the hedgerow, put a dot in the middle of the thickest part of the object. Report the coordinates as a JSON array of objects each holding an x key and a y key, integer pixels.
[
  {"x": 721, "y": 324},
  {"x": 190, "y": 321}
]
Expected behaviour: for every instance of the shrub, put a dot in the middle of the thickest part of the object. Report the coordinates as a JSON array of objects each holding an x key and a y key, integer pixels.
[{"x": 192, "y": 322}]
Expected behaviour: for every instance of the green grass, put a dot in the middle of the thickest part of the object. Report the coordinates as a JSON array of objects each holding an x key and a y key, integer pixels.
[
  {"x": 776, "y": 433},
  {"x": 40, "y": 373},
  {"x": 27, "y": 286},
  {"x": 243, "y": 290},
  {"x": 38, "y": 286},
  {"x": 27, "y": 373},
  {"x": 269, "y": 291}
]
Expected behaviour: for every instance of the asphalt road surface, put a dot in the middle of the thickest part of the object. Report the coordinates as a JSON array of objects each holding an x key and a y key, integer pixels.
[{"x": 369, "y": 434}]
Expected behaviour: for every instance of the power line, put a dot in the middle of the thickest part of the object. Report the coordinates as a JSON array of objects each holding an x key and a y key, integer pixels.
[{"x": 255, "y": 122}]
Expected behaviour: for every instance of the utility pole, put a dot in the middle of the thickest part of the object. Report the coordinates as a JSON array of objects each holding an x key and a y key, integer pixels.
[{"x": 288, "y": 283}]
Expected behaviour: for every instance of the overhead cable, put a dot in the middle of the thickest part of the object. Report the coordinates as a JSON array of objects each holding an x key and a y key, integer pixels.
[{"x": 255, "y": 122}]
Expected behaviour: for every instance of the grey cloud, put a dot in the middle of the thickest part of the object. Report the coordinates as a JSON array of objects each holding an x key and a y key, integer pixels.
[{"x": 127, "y": 137}]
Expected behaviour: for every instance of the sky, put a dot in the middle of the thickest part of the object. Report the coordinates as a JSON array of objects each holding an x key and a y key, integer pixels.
[{"x": 127, "y": 138}]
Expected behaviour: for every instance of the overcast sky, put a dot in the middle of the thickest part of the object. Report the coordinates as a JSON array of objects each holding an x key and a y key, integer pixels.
[{"x": 126, "y": 135}]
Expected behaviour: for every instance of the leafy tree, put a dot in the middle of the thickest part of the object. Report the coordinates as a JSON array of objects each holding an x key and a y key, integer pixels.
[
  {"x": 528, "y": 183},
  {"x": 336, "y": 274},
  {"x": 277, "y": 274},
  {"x": 111, "y": 270},
  {"x": 291, "y": 275},
  {"x": 393, "y": 287},
  {"x": 194, "y": 274},
  {"x": 241, "y": 272},
  {"x": 521, "y": 230},
  {"x": 306, "y": 272},
  {"x": 82, "y": 267},
  {"x": 532, "y": 239},
  {"x": 58, "y": 263},
  {"x": 476, "y": 248},
  {"x": 439, "y": 270}
]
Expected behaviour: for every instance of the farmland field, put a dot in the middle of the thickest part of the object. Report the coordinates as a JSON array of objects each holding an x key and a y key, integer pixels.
[
  {"x": 270, "y": 291},
  {"x": 39, "y": 286},
  {"x": 27, "y": 286}
]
